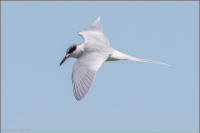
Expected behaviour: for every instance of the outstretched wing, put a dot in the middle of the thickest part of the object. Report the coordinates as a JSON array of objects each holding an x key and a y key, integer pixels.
[
  {"x": 95, "y": 26},
  {"x": 96, "y": 51},
  {"x": 94, "y": 37},
  {"x": 84, "y": 71}
]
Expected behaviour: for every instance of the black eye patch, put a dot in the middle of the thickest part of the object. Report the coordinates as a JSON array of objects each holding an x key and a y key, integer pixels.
[{"x": 72, "y": 49}]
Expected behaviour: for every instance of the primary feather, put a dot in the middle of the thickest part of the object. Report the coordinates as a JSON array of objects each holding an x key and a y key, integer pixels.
[{"x": 96, "y": 51}]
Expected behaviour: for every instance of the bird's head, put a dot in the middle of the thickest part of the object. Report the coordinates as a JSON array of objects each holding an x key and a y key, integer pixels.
[{"x": 70, "y": 51}]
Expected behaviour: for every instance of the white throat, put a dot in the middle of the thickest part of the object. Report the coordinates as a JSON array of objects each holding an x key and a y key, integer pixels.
[{"x": 78, "y": 52}]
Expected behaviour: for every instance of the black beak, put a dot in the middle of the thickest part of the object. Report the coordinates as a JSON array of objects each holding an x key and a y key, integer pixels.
[{"x": 64, "y": 59}]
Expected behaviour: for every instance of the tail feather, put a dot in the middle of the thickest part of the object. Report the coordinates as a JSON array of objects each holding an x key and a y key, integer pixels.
[
  {"x": 116, "y": 55},
  {"x": 146, "y": 60}
]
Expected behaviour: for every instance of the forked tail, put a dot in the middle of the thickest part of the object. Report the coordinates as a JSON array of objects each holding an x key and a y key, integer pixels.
[
  {"x": 146, "y": 60},
  {"x": 116, "y": 55}
]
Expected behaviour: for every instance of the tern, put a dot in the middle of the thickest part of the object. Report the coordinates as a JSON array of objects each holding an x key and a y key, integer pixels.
[{"x": 91, "y": 54}]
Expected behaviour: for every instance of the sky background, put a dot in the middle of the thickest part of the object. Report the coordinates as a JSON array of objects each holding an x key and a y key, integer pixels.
[{"x": 126, "y": 96}]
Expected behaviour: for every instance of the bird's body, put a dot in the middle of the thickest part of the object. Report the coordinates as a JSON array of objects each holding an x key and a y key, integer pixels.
[{"x": 91, "y": 55}]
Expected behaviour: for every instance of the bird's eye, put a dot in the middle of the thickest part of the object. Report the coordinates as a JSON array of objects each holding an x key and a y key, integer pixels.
[{"x": 71, "y": 49}]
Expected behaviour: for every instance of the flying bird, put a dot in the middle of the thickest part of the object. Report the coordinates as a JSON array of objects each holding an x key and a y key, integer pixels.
[{"x": 91, "y": 54}]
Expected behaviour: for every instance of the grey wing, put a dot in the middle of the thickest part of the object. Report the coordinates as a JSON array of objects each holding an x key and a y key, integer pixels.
[
  {"x": 84, "y": 71},
  {"x": 94, "y": 37},
  {"x": 95, "y": 26},
  {"x": 82, "y": 79},
  {"x": 96, "y": 51}
]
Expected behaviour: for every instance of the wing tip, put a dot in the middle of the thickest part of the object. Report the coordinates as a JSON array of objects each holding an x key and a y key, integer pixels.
[
  {"x": 98, "y": 19},
  {"x": 95, "y": 26},
  {"x": 78, "y": 98}
]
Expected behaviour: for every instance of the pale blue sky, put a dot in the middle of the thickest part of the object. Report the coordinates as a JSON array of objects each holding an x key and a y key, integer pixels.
[{"x": 126, "y": 96}]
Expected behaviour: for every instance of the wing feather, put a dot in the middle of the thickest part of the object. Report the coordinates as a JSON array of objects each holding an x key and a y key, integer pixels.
[
  {"x": 82, "y": 79},
  {"x": 96, "y": 51},
  {"x": 93, "y": 36}
]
